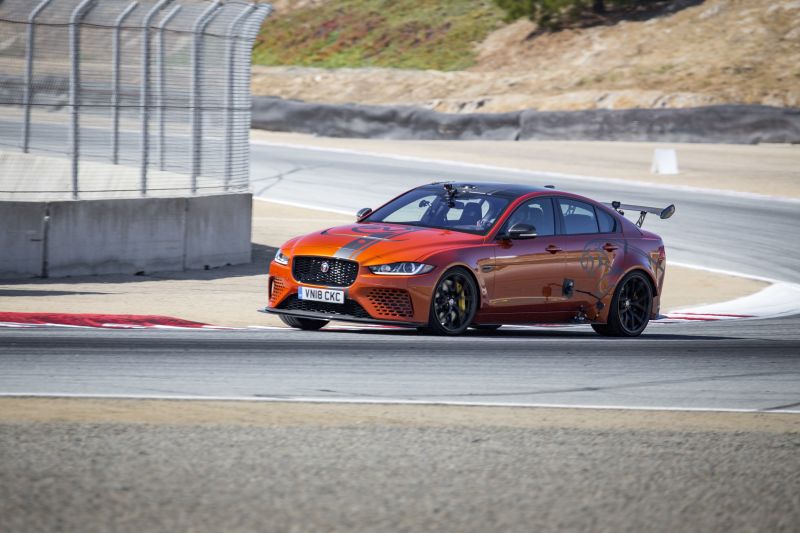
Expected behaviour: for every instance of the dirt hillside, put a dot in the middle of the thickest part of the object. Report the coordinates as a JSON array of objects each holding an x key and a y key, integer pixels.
[{"x": 717, "y": 51}]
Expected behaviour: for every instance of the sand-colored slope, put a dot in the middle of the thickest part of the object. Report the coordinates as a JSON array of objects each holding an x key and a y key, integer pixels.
[{"x": 719, "y": 51}]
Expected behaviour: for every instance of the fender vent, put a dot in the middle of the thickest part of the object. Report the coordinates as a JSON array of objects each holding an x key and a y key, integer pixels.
[
  {"x": 277, "y": 290},
  {"x": 391, "y": 302}
]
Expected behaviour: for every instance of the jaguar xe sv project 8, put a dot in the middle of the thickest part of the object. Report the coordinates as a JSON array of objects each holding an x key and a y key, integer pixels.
[{"x": 449, "y": 256}]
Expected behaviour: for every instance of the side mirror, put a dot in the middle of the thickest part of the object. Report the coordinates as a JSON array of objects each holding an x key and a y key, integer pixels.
[
  {"x": 363, "y": 213},
  {"x": 521, "y": 231}
]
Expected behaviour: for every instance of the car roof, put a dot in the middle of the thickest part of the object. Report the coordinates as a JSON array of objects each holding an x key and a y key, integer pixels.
[{"x": 508, "y": 190}]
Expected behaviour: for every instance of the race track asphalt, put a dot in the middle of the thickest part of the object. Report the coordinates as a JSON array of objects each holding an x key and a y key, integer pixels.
[{"x": 748, "y": 365}]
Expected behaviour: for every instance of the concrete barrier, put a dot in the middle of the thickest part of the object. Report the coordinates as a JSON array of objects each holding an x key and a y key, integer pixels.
[
  {"x": 735, "y": 124},
  {"x": 379, "y": 122},
  {"x": 124, "y": 236},
  {"x": 218, "y": 230},
  {"x": 116, "y": 236},
  {"x": 22, "y": 229},
  {"x": 731, "y": 124}
]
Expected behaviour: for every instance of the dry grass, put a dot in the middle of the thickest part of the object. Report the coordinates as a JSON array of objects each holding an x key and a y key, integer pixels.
[{"x": 424, "y": 34}]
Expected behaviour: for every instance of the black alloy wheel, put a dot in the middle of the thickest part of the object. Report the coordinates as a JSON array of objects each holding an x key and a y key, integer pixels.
[
  {"x": 453, "y": 304},
  {"x": 308, "y": 324},
  {"x": 630, "y": 308}
]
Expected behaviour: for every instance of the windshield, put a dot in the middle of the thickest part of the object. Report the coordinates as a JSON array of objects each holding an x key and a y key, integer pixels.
[{"x": 465, "y": 211}]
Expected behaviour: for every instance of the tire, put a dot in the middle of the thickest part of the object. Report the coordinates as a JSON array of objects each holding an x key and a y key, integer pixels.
[
  {"x": 630, "y": 307},
  {"x": 486, "y": 327},
  {"x": 307, "y": 324},
  {"x": 454, "y": 303}
]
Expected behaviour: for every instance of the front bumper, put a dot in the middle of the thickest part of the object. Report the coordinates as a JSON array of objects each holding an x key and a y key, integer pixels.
[
  {"x": 339, "y": 317},
  {"x": 395, "y": 300}
]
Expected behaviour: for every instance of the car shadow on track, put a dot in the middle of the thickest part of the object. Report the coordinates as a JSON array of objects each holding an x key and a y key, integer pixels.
[{"x": 543, "y": 333}]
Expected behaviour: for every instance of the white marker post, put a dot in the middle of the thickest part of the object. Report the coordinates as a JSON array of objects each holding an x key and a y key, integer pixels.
[{"x": 665, "y": 161}]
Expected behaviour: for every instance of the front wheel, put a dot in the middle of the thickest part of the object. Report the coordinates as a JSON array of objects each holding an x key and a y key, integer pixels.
[
  {"x": 630, "y": 308},
  {"x": 453, "y": 304},
  {"x": 308, "y": 324}
]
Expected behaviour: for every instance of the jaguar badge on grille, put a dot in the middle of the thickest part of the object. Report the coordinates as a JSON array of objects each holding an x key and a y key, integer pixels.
[{"x": 324, "y": 267}]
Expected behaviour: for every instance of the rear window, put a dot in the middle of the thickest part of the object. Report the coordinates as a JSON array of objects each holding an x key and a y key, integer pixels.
[
  {"x": 608, "y": 224},
  {"x": 579, "y": 217}
]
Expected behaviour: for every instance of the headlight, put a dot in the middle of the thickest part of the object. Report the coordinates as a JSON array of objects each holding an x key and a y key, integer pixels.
[
  {"x": 281, "y": 258},
  {"x": 401, "y": 269}
]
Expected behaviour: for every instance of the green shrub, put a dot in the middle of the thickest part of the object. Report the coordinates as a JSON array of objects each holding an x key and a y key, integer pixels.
[{"x": 556, "y": 14}]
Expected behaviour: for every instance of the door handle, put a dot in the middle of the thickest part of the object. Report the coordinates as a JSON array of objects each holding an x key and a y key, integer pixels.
[
  {"x": 553, "y": 249},
  {"x": 609, "y": 247}
]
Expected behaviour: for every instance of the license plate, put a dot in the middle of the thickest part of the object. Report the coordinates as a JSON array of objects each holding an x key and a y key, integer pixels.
[{"x": 320, "y": 295}]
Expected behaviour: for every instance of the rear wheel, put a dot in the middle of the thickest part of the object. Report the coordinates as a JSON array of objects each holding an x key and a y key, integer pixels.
[
  {"x": 308, "y": 324},
  {"x": 630, "y": 308},
  {"x": 453, "y": 304}
]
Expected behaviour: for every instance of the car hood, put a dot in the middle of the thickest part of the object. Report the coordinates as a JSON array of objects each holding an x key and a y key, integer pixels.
[{"x": 373, "y": 243}]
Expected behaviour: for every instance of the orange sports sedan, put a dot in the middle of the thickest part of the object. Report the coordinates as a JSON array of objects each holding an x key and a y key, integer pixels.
[{"x": 450, "y": 256}]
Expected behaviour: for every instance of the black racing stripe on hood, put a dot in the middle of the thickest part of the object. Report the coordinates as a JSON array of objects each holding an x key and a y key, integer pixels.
[{"x": 369, "y": 236}]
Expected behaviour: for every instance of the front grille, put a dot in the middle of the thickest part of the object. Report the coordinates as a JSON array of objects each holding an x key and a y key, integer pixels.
[
  {"x": 348, "y": 308},
  {"x": 395, "y": 303},
  {"x": 308, "y": 269}
]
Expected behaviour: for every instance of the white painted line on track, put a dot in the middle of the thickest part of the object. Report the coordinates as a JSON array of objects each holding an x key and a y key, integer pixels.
[
  {"x": 553, "y": 175},
  {"x": 386, "y": 401},
  {"x": 306, "y": 206},
  {"x": 724, "y": 272}
]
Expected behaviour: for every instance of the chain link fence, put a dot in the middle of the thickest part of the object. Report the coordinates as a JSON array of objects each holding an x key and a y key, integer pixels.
[{"x": 144, "y": 98}]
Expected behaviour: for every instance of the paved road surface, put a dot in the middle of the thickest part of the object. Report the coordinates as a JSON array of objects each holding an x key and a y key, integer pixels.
[{"x": 733, "y": 365}]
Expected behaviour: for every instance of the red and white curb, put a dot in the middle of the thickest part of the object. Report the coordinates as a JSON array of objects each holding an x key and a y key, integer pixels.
[
  {"x": 777, "y": 300},
  {"x": 83, "y": 320}
]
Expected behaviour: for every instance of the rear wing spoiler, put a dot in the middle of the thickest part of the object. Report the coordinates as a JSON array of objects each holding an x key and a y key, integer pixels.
[{"x": 663, "y": 214}]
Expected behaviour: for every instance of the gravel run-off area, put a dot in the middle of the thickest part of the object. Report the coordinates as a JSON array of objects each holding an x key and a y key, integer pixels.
[{"x": 194, "y": 466}]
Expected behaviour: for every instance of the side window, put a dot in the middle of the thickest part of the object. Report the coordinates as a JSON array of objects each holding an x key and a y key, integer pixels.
[
  {"x": 607, "y": 223},
  {"x": 579, "y": 217},
  {"x": 537, "y": 213}
]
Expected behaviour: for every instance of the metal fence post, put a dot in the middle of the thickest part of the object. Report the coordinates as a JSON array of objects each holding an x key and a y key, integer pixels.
[
  {"x": 144, "y": 93},
  {"x": 229, "y": 88},
  {"x": 26, "y": 126},
  {"x": 75, "y": 86},
  {"x": 115, "y": 81},
  {"x": 195, "y": 97},
  {"x": 161, "y": 73}
]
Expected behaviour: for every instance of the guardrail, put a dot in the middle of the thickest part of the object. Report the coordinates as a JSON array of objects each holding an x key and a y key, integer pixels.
[{"x": 144, "y": 98}]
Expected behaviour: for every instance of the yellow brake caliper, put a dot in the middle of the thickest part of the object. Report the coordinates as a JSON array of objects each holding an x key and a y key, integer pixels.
[{"x": 462, "y": 298}]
